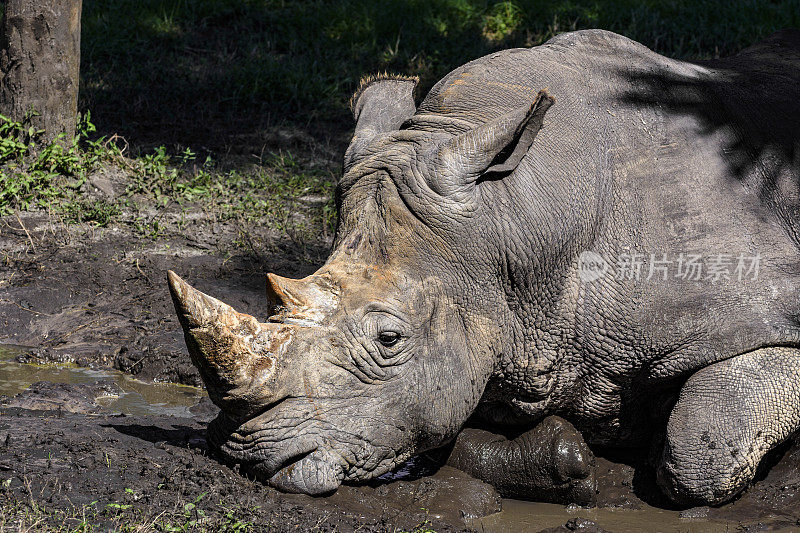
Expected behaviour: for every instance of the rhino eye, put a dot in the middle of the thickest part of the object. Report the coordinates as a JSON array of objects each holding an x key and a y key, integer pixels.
[{"x": 388, "y": 338}]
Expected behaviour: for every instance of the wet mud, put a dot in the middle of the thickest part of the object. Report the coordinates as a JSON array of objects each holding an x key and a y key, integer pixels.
[
  {"x": 69, "y": 387},
  {"x": 154, "y": 464},
  {"x": 628, "y": 501},
  {"x": 97, "y": 296},
  {"x": 94, "y": 306},
  {"x": 65, "y": 445},
  {"x": 87, "y": 420}
]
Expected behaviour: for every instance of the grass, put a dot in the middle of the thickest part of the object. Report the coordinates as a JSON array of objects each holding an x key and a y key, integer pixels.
[
  {"x": 217, "y": 73},
  {"x": 198, "y": 515},
  {"x": 54, "y": 177},
  {"x": 267, "y": 82},
  {"x": 126, "y": 517}
]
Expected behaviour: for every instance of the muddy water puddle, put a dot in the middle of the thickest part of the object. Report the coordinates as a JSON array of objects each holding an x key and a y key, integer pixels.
[
  {"x": 530, "y": 516},
  {"x": 135, "y": 397}
]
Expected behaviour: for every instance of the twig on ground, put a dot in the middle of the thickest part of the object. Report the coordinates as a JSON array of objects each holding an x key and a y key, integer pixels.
[
  {"x": 142, "y": 272},
  {"x": 27, "y": 483},
  {"x": 113, "y": 140},
  {"x": 67, "y": 334},
  {"x": 145, "y": 356},
  {"x": 24, "y": 308},
  {"x": 33, "y": 246}
]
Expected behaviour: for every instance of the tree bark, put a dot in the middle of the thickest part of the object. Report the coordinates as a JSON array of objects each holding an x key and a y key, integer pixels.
[{"x": 40, "y": 63}]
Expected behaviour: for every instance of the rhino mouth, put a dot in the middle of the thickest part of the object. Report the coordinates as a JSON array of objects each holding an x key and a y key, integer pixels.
[
  {"x": 294, "y": 464},
  {"x": 315, "y": 473},
  {"x": 298, "y": 455}
]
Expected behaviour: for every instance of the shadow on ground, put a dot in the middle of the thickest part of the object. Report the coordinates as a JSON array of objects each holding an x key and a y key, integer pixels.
[{"x": 253, "y": 76}]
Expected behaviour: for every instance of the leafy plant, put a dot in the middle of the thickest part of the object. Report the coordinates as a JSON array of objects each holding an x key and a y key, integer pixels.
[
  {"x": 96, "y": 212},
  {"x": 502, "y": 20},
  {"x": 35, "y": 173},
  {"x": 192, "y": 517}
]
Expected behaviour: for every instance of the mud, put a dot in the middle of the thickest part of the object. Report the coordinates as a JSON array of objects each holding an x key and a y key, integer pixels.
[
  {"x": 628, "y": 501},
  {"x": 97, "y": 297},
  {"x": 155, "y": 465},
  {"x": 94, "y": 304},
  {"x": 68, "y": 387},
  {"x": 61, "y": 449}
]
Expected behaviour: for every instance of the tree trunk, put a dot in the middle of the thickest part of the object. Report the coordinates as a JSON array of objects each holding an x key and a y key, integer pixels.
[{"x": 39, "y": 63}]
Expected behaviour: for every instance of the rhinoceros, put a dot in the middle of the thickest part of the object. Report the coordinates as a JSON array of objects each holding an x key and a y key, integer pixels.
[{"x": 583, "y": 229}]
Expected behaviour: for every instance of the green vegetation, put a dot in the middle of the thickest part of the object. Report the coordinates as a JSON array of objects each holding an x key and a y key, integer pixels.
[
  {"x": 199, "y": 515},
  {"x": 54, "y": 177},
  {"x": 33, "y": 174},
  {"x": 167, "y": 71},
  {"x": 242, "y": 80},
  {"x": 126, "y": 517}
]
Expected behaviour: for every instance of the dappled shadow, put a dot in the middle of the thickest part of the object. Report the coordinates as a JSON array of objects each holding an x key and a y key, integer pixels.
[
  {"x": 251, "y": 77},
  {"x": 750, "y": 100},
  {"x": 254, "y": 76}
]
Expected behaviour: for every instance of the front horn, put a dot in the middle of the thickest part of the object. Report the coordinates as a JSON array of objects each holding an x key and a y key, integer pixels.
[{"x": 239, "y": 358}]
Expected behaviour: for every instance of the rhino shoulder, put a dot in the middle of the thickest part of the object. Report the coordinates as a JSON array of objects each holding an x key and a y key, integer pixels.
[
  {"x": 577, "y": 64},
  {"x": 589, "y": 42}
]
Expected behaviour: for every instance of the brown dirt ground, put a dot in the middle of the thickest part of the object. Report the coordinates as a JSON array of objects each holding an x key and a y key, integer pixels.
[
  {"x": 97, "y": 297},
  {"x": 145, "y": 470}
]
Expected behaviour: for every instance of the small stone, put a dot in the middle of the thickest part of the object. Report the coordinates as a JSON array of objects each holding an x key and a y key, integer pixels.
[{"x": 103, "y": 185}]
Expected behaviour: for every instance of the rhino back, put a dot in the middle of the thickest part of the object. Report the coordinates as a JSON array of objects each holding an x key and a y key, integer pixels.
[{"x": 642, "y": 156}]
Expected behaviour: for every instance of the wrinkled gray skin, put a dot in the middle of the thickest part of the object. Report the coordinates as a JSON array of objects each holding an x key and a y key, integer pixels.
[
  {"x": 454, "y": 290},
  {"x": 549, "y": 463}
]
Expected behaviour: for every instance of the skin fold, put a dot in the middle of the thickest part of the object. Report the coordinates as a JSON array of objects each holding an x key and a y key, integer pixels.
[
  {"x": 455, "y": 289},
  {"x": 549, "y": 463}
]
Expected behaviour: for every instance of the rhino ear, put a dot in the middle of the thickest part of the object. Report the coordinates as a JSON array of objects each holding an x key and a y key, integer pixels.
[
  {"x": 496, "y": 147},
  {"x": 382, "y": 103}
]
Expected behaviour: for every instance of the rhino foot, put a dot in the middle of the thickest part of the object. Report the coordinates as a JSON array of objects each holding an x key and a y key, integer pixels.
[
  {"x": 728, "y": 416},
  {"x": 550, "y": 462}
]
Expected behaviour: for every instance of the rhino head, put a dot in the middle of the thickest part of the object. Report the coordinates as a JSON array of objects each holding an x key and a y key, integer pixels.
[{"x": 386, "y": 350}]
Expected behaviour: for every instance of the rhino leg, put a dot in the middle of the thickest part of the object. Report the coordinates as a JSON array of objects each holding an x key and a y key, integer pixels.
[
  {"x": 727, "y": 417},
  {"x": 551, "y": 462}
]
